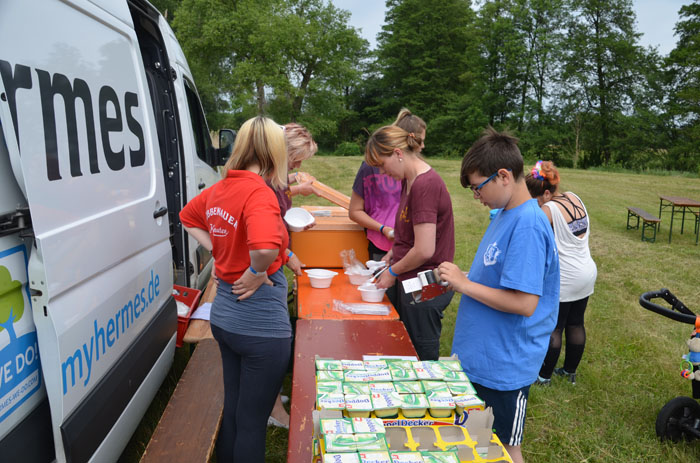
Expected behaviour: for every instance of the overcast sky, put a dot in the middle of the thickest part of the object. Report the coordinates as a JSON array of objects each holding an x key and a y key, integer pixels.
[{"x": 655, "y": 19}]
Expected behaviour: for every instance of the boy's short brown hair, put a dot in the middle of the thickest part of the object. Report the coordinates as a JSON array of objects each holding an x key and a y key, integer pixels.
[{"x": 494, "y": 150}]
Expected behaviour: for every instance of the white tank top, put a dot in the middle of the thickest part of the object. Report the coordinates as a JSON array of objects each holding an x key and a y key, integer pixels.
[{"x": 577, "y": 268}]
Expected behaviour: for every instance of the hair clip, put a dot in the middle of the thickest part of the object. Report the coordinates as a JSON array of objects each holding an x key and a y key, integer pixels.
[{"x": 537, "y": 171}]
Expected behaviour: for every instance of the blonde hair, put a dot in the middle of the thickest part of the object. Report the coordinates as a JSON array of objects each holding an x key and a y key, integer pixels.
[
  {"x": 300, "y": 145},
  {"x": 385, "y": 140},
  {"x": 260, "y": 141}
]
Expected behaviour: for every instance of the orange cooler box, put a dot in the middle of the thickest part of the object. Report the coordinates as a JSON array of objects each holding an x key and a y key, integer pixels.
[{"x": 320, "y": 246}]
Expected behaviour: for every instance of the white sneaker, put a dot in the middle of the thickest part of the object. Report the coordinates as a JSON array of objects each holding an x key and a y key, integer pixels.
[
  {"x": 271, "y": 421},
  {"x": 284, "y": 399}
]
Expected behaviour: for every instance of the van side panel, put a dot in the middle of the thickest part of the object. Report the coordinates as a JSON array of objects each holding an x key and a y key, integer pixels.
[{"x": 100, "y": 269}]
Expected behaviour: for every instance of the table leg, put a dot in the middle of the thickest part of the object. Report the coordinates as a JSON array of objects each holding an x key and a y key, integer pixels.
[
  {"x": 670, "y": 226},
  {"x": 661, "y": 203},
  {"x": 683, "y": 220}
]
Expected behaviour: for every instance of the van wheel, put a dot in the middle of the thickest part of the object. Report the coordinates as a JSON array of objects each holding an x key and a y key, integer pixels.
[{"x": 679, "y": 419}]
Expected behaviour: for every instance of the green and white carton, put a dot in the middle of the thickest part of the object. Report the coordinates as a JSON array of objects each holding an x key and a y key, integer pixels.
[
  {"x": 330, "y": 401},
  {"x": 358, "y": 405},
  {"x": 329, "y": 375},
  {"x": 341, "y": 458},
  {"x": 371, "y": 425},
  {"x": 375, "y": 457},
  {"x": 402, "y": 374},
  {"x": 406, "y": 457},
  {"x": 352, "y": 364},
  {"x": 385, "y": 386},
  {"x": 370, "y": 441},
  {"x": 408, "y": 387},
  {"x": 329, "y": 387},
  {"x": 440, "y": 457},
  {"x": 461, "y": 388},
  {"x": 355, "y": 388},
  {"x": 336, "y": 426},
  {"x": 340, "y": 443},
  {"x": 328, "y": 364},
  {"x": 450, "y": 375},
  {"x": 435, "y": 386}
]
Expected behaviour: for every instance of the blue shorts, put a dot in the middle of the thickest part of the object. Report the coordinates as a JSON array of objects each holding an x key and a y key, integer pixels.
[{"x": 509, "y": 412}]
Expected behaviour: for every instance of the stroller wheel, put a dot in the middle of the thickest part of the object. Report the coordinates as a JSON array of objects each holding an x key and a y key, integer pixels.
[{"x": 679, "y": 419}]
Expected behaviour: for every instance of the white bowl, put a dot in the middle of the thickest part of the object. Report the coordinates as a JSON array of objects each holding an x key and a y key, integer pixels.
[
  {"x": 357, "y": 278},
  {"x": 370, "y": 293},
  {"x": 298, "y": 219},
  {"x": 320, "y": 278}
]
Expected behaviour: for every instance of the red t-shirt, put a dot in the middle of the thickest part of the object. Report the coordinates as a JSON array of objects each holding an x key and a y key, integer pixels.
[
  {"x": 241, "y": 214},
  {"x": 428, "y": 202}
]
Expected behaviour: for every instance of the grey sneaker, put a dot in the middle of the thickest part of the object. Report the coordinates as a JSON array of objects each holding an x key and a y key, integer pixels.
[
  {"x": 562, "y": 372},
  {"x": 540, "y": 381}
]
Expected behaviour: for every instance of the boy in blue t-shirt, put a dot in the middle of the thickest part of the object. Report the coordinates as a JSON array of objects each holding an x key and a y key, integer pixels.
[{"x": 510, "y": 297}]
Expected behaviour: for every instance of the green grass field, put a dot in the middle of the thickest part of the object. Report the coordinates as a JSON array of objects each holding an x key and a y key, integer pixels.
[{"x": 631, "y": 365}]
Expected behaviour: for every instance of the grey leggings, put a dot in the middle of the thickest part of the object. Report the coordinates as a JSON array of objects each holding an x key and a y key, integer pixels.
[{"x": 254, "y": 368}]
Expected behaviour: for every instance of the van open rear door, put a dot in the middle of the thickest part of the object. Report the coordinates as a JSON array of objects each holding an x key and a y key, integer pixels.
[{"x": 82, "y": 144}]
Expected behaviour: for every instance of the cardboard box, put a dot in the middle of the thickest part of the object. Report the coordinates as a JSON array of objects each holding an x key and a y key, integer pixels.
[{"x": 321, "y": 245}]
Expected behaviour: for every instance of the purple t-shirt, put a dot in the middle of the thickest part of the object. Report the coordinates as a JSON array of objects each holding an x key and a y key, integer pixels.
[
  {"x": 428, "y": 202},
  {"x": 381, "y": 194},
  {"x": 284, "y": 198}
]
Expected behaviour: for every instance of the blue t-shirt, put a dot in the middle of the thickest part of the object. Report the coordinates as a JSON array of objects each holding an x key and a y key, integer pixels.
[{"x": 499, "y": 350}]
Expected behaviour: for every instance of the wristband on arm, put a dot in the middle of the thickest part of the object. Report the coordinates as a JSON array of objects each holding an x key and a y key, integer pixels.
[
  {"x": 290, "y": 254},
  {"x": 381, "y": 229},
  {"x": 391, "y": 272},
  {"x": 253, "y": 270}
]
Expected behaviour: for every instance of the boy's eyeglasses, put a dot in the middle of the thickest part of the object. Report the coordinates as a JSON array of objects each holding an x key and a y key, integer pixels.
[{"x": 475, "y": 189}]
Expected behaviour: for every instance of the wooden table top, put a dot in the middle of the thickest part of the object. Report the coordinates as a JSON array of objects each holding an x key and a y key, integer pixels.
[
  {"x": 318, "y": 303},
  {"x": 680, "y": 201},
  {"x": 339, "y": 339}
]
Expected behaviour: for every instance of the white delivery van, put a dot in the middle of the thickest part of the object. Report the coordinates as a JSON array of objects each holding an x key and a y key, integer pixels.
[{"x": 102, "y": 141}]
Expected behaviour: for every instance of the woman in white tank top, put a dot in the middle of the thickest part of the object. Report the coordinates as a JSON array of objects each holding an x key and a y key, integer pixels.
[{"x": 571, "y": 224}]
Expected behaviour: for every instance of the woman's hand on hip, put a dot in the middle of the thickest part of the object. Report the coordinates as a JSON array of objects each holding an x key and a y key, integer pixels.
[{"x": 248, "y": 283}]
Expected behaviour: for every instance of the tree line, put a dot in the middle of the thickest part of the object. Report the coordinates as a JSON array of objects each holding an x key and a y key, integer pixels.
[{"x": 568, "y": 77}]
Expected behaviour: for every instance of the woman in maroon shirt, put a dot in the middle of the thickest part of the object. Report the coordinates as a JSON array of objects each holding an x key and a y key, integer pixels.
[{"x": 423, "y": 234}]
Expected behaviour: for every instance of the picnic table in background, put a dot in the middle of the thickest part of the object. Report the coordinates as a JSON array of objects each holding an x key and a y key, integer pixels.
[{"x": 681, "y": 205}]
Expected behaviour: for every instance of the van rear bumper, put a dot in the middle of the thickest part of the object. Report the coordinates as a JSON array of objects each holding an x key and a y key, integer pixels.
[{"x": 85, "y": 429}]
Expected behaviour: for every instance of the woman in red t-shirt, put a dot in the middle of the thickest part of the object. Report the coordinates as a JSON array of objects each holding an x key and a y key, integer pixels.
[
  {"x": 239, "y": 220},
  {"x": 423, "y": 234}
]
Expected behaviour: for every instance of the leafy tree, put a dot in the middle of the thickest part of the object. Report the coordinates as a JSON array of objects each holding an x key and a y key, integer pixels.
[
  {"x": 425, "y": 54},
  {"x": 601, "y": 68},
  {"x": 684, "y": 71}
]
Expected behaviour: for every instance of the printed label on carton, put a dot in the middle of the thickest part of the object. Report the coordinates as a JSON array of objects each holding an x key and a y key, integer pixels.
[
  {"x": 330, "y": 401},
  {"x": 352, "y": 364},
  {"x": 414, "y": 401},
  {"x": 461, "y": 388},
  {"x": 329, "y": 375},
  {"x": 340, "y": 443},
  {"x": 387, "y": 400},
  {"x": 336, "y": 426},
  {"x": 375, "y": 364},
  {"x": 402, "y": 374},
  {"x": 381, "y": 387},
  {"x": 441, "y": 400},
  {"x": 365, "y": 376},
  {"x": 435, "y": 386},
  {"x": 328, "y": 364},
  {"x": 406, "y": 457},
  {"x": 341, "y": 458},
  {"x": 466, "y": 401},
  {"x": 455, "y": 376},
  {"x": 396, "y": 363},
  {"x": 355, "y": 388},
  {"x": 360, "y": 402},
  {"x": 329, "y": 387},
  {"x": 371, "y": 425},
  {"x": 370, "y": 441},
  {"x": 375, "y": 457},
  {"x": 428, "y": 370},
  {"x": 408, "y": 387},
  {"x": 452, "y": 365}
]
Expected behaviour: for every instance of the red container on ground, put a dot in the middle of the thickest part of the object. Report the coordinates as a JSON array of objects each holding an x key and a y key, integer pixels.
[{"x": 189, "y": 297}]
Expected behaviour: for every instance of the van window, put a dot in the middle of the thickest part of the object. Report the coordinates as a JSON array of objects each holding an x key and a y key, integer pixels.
[{"x": 202, "y": 140}]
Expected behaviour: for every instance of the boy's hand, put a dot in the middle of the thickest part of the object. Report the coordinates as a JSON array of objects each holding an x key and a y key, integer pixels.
[{"x": 450, "y": 273}]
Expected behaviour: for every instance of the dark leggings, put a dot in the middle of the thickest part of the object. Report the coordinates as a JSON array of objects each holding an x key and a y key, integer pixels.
[
  {"x": 253, "y": 368},
  {"x": 570, "y": 321}
]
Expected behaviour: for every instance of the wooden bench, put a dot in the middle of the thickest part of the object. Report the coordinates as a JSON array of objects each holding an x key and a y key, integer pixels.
[
  {"x": 188, "y": 428},
  {"x": 649, "y": 221}
]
